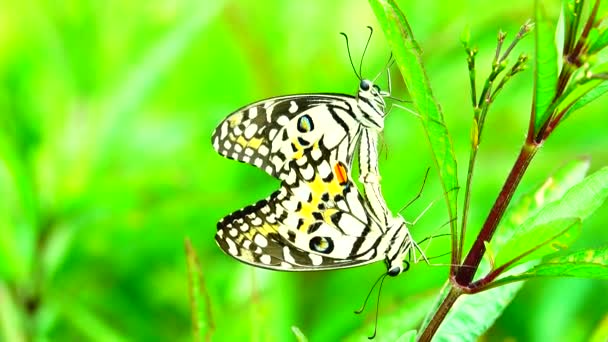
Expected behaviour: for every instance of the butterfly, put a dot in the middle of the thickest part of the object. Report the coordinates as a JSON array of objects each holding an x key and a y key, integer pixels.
[{"x": 318, "y": 219}]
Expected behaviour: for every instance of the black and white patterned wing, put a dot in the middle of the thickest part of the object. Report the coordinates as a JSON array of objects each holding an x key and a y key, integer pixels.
[
  {"x": 318, "y": 222},
  {"x": 271, "y": 133}
]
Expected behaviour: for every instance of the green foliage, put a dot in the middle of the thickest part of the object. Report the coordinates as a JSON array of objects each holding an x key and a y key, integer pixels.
[
  {"x": 545, "y": 65},
  {"x": 408, "y": 57},
  {"x": 590, "y": 263},
  {"x": 473, "y": 315}
]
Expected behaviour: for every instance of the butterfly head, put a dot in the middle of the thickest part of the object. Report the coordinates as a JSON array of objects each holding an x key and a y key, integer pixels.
[
  {"x": 397, "y": 268},
  {"x": 400, "y": 246},
  {"x": 371, "y": 103}
]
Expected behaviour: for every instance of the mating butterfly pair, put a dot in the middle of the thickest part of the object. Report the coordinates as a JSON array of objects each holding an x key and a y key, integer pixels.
[{"x": 318, "y": 219}]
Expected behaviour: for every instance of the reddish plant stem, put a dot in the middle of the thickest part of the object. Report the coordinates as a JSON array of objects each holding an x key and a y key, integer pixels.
[
  {"x": 465, "y": 274},
  {"x": 440, "y": 314}
]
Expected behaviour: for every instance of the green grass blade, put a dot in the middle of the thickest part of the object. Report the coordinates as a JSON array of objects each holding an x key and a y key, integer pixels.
[
  {"x": 11, "y": 324},
  {"x": 300, "y": 337},
  {"x": 590, "y": 263},
  {"x": 202, "y": 323},
  {"x": 408, "y": 57},
  {"x": 545, "y": 64}
]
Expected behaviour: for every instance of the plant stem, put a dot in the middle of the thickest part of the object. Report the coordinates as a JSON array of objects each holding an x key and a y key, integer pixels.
[
  {"x": 440, "y": 314},
  {"x": 465, "y": 274}
]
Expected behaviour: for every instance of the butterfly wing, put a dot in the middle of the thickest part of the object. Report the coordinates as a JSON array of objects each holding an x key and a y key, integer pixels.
[
  {"x": 271, "y": 133},
  {"x": 317, "y": 222}
]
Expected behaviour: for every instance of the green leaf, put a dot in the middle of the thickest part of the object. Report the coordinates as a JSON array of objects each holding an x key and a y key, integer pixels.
[
  {"x": 546, "y": 67},
  {"x": 472, "y": 315},
  {"x": 591, "y": 90},
  {"x": 598, "y": 39},
  {"x": 601, "y": 331},
  {"x": 529, "y": 204},
  {"x": 590, "y": 263},
  {"x": 202, "y": 322},
  {"x": 407, "y": 54},
  {"x": 579, "y": 202},
  {"x": 538, "y": 241}
]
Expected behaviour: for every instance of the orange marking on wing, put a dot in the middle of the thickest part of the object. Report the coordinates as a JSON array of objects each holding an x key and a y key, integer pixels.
[{"x": 341, "y": 175}]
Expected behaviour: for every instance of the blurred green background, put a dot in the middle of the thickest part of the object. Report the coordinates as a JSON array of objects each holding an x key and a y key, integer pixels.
[{"x": 106, "y": 166}]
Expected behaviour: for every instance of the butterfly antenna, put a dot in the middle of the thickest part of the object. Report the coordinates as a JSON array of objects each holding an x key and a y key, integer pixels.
[
  {"x": 426, "y": 175},
  {"x": 371, "y": 31},
  {"x": 350, "y": 58},
  {"x": 369, "y": 294},
  {"x": 377, "y": 308},
  {"x": 389, "y": 64}
]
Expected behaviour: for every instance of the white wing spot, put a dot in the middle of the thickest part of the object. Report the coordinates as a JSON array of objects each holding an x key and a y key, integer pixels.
[
  {"x": 256, "y": 221},
  {"x": 244, "y": 227},
  {"x": 293, "y": 107},
  {"x": 287, "y": 255},
  {"x": 260, "y": 240},
  {"x": 351, "y": 226},
  {"x": 250, "y": 131},
  {"x": 233, "y": 232},
  {"x": 258, "y": 162},
  {"x": 269, "y": 169},
  {"x": 291, "y": 177},
  {"x": 263, "y": 150},
  {"x": 265, "y": 259},
  {"x": 316, "y": 154},
  {"x": 283, "y": 120},
  {"x": 324, "y": 169},
  {"x": 272, "y": 133},
  {"x": 253, "y": 112},
  {"x": 238, "y": 148},
  {"x": 232, "y": 247},
  {"x": 302, "y": 160},
  {"x": 315, "y": 259},
  {"x": 277, "y": 161},
  {"x": 227, "y": 144},
  {"x": 248, "y": 151},
  {"x": 308, "y": 173},
  {"x": 224, "y": 130}
]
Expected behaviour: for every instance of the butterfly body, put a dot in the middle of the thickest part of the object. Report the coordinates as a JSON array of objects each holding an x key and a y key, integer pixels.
[{"x": 318, "y": 219}]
